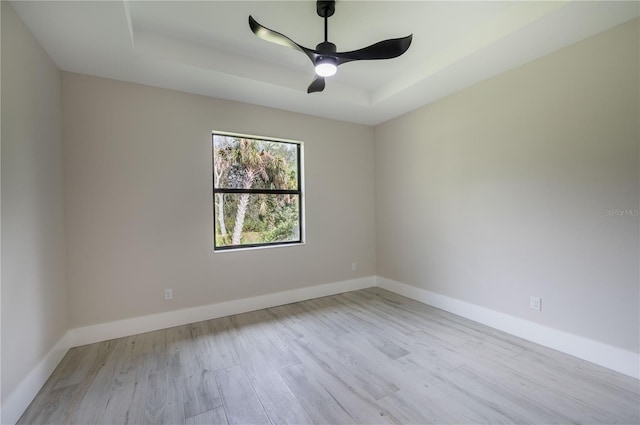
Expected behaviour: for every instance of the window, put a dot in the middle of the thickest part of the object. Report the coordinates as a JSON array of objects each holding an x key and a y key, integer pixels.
[{"x": 257, "y": 191}]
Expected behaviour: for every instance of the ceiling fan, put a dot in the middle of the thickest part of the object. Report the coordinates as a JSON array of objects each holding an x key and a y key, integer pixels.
[{"x": 325, "y": 58}]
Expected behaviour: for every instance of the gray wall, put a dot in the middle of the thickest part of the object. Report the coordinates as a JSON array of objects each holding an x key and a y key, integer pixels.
[
  {"x": 491, "y": 195},
  {"x": 503, "y": 191},
  {"x": 34, "y": 291},
  {"x": 140, "y": 211}
]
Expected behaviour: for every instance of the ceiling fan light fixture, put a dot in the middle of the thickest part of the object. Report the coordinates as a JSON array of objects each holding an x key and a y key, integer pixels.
[
  {"x": 325, "y": 57},
  {"x": 326, "y": 67}
]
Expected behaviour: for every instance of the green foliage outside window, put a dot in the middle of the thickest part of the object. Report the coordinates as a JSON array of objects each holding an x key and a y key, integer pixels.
[{"x": 257, "y": 194}]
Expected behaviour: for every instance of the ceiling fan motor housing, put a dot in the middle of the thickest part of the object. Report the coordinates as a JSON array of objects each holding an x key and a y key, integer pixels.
[
  {"x": 325, "y": 8},
  {"x": 326, "y": 48}
]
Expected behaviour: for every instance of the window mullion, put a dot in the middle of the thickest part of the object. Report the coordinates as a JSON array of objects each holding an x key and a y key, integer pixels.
[{"x": 258, "y": 191}]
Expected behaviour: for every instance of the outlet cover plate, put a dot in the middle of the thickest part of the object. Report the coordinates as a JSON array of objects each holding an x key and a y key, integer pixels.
[{"x": 535, "y": 303}]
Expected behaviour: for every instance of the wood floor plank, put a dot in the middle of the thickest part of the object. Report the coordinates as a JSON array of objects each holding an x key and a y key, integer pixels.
[
  {"x": 426, "y": 366},
  {"x": 274, "y": 331},
  {"x": 164, "y": 403},
  {"x": 630, "y": 386},
  {"x": 567, "y": 408},
  {"x": 199, "y": 391},
  {"x": 78, "y": 364},
  {"x": 74, "y": 366},
  {"x": 260, "y": 356},
  {"x": 574, "y": 385},
  {"x": 340, "y": 362},
  {"x": 240, "y": 401},
  {"x": 125, "y": 402},
  {"x": 365, "y": 328},
  {"x": 92, "y": 405},
  {"x": 429, "y": 403},
  {"x": 224, "y": 354},
  {"x": 321, "y": 405},
  {"x": 212, "y": 417},
  {"x": 90, "y": 376},
  {"x": 56, "y": 408},
  {"x": 406, "y": 410},
  {"x": 285, "y": 324},
  {"x": 279, "y": 403},
  {"x": 196, "y": 352},
  {"x": 363, "y": 305},
  {"x": 177, "y": 340},
  {"x": 117, "y": 394},
  {"x": 355, "y": 401},
  {"x": 255, "y": 337},
  {"x": 314, "y": 320},
  {"x": 505, "y": 398}
]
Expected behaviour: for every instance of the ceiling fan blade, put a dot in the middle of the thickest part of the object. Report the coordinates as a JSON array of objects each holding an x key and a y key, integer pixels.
[
  {"x": 386, "y": 49},
  {"x": 277, "y": 38},
  {"x": 316, "y": 85}
]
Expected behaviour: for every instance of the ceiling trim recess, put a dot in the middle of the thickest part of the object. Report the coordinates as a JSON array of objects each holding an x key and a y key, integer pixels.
[{"x": 207, "y": 47}]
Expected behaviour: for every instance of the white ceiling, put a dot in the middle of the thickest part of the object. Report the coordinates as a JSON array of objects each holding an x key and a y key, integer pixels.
[{"x": 206, "y": 47}]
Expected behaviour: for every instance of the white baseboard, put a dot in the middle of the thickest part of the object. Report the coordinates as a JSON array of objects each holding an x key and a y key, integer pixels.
[
  {"x": 611, "y": 357},
  {"x": 17, "y": 402},
  {"x": 136, "y": 325}
]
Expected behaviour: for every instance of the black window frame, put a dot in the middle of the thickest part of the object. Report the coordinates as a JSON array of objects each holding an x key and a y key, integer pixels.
[{"x": 299, "y": 192}]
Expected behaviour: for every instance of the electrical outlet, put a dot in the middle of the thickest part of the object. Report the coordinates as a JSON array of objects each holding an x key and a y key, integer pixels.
[
  {"x": 168, "y": 294},
  {"x": 535, "y": 303},
  {"x": 354, "y": 267}
]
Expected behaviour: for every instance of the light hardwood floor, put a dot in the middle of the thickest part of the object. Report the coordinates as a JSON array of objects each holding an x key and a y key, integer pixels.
[{"x": 365, "y": 357}]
